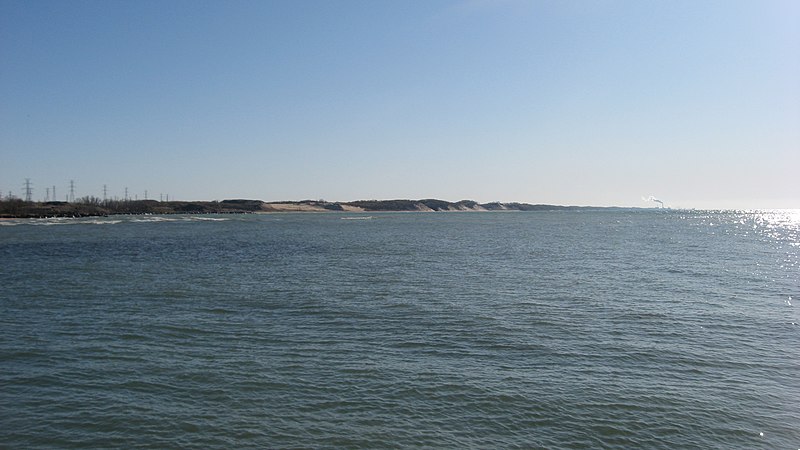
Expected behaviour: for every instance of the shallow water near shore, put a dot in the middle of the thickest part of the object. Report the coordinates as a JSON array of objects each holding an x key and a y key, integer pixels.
[{"x": 571, "y": 329}]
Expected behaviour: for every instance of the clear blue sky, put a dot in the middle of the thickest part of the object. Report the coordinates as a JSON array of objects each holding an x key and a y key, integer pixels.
[{"x": 586, "y": 102}]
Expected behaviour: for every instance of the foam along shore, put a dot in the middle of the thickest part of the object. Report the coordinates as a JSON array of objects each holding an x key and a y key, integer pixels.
[{"x": 16, "y": 208}]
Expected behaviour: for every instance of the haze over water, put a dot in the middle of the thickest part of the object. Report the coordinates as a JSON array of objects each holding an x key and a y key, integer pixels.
[{"x": 579, "y": 329}]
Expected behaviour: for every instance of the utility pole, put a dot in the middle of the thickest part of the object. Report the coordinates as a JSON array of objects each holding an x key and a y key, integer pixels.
[
  {"x": 71, "y": 191},
  {"x": 28, "y": 190}
]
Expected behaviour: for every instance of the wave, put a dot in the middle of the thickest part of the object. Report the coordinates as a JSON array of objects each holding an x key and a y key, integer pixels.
[
  {"x": 358, "y": 218},
  {"x": 208, "y": 219}
]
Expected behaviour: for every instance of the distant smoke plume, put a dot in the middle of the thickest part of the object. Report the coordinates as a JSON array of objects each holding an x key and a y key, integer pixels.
[{"x": 654, "y": 200}]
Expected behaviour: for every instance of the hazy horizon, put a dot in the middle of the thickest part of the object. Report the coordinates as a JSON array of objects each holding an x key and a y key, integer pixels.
[{"x": 600, "y": 103}]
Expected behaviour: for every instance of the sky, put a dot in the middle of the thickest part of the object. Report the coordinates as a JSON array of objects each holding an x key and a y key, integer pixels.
[{"x": 570, "y": 102}]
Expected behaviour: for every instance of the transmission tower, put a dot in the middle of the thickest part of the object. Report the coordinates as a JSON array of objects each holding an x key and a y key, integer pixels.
[
  {"x": 126, "y": 193},
  {"x": 145, "y": 194},
  {"x": 105, "y": 192},
  {"x": 28, "y": 190},
  {"x": 71, "y": 191},
  {"x": 47, "y": 196}
]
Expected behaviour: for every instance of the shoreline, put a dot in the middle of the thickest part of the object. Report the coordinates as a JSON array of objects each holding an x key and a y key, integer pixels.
[{"x": 18, "y": 209}]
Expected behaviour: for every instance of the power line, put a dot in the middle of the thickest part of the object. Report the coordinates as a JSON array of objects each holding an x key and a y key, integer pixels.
[{"x": 28, "y": 190}]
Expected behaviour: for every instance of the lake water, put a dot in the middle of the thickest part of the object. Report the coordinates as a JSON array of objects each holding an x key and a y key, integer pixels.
[{"x": 572, "y": 329}]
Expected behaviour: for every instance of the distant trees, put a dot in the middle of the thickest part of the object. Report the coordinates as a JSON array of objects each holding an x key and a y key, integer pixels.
[
  {"x": 242, "y": 204},
  {"x": 386, "y": 205},
  {"x": 89, "y": 200},
  {"x": 413, "y": 205},
  {"x": 436, "y": 205},
  {"x": 94, "y": 206},
  {"x": 11, "y": 206}
]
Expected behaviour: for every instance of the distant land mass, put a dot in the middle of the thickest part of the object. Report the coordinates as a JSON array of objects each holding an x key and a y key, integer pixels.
[{"x": 90, "y": 206}]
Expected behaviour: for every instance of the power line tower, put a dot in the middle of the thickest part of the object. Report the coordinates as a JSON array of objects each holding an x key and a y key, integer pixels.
[
  {"x": 145, "y": 194},
  {"x": 105, "y": 192},
  {"x": 47, "y": 196},
  {"x": 71, "y": 191},
  {"x": 54, "y": 193},
  {"x": 28, "y": 190},
  {"x": 126, "y": 193}
]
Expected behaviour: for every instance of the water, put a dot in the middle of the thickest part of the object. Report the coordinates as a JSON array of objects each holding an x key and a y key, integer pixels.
[{"x": 576, "y": 329}]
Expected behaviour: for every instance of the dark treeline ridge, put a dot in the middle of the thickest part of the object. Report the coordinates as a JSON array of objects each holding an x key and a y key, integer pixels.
[{"x": 92, "y": 206}]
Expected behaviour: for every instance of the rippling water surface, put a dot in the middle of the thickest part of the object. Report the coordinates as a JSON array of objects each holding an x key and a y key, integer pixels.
[{"x": 580, "y": 329}]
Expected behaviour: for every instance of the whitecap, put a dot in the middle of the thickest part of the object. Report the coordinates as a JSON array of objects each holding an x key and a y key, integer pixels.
[
  {"x": 357, "y": 218},
  {"x": 154, "y": 219},
  {"x": 209, "y": 219}
]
